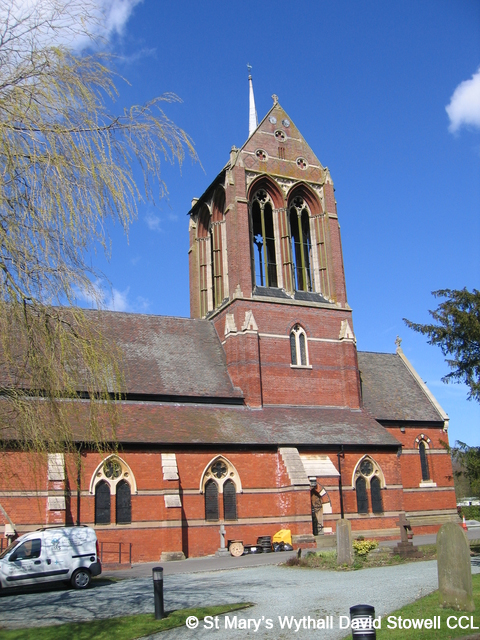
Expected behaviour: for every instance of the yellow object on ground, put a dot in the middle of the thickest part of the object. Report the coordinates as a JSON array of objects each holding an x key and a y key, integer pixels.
[{"x": 284, "y": 535}]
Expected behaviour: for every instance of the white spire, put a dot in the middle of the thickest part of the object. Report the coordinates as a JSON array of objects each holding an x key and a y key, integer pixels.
[{"x": 252, "y": 112}]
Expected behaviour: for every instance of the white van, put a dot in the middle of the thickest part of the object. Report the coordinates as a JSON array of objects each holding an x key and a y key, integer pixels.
[{"x": 58, "y": 553}]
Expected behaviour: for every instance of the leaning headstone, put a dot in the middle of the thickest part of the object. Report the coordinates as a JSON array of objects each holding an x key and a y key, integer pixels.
[
  {"x": 454, "y": 569},
  {"x": 344, "y": 542}
]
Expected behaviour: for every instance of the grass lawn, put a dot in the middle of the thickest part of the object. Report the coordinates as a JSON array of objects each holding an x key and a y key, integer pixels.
[
  {"x": 426, "y": 608},
  {"x": 380, "y": 557},
  {"x": 124, "y": 628}
]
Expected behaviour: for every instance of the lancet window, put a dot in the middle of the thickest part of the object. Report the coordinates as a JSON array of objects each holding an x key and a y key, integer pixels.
[
  {"x": 263, "y": 236},
  {"x": 422, "y": 450},
  {"x": 301, "y": 245},
  {"x": 298, "y": 347}
]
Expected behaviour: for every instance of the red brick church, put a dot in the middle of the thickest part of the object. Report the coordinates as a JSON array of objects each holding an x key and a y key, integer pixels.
[{"x": 258, "y": 412}]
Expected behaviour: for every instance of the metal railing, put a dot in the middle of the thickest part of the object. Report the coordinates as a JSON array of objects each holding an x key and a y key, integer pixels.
[{"x": 115, "y": 552}]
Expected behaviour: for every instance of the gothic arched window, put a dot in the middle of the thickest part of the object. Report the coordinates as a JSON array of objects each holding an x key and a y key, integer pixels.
[
  {"x": 113, "y": 477},
  {"x": 102, "y": 503},
  {"x": 422, "y": 449},
  {"x": 123, "y": 503},
  {"x": 301, "y": 244},
  {"x": 298, "y": 347},
  {"x": 368, "y": 475},
  {"x": 220, "y": 477},
  {"x": 229, "y": 500},
  {"x": 211, "y": 501},
  {"x": 263, "y": 239},
  {"x": 362, "y": 499}
]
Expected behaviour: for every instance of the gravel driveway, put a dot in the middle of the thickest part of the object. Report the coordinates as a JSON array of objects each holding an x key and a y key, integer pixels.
[{"x": 276, "y": 591}]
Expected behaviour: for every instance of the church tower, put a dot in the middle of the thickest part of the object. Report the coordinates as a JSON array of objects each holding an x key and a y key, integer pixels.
[{"x": 266, "y": 268}]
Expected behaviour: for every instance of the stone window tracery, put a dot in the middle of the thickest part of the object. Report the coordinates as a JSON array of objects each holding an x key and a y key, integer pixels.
[
  {"x": 280, "y": 135},
  {"x": 261, "y": 155},
  {"x": 302, "y": 163}
]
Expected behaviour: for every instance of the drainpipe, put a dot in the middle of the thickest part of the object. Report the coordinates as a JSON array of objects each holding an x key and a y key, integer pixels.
[
  {"x": 79, "y": 481},
  {"x": 340, "y": 455}
]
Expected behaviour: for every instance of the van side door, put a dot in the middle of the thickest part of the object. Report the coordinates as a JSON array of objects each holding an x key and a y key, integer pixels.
[{"x": 25, "y": 563}]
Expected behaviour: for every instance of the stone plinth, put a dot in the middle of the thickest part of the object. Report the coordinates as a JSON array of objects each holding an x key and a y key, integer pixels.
[{"x": 406, "y": 550}]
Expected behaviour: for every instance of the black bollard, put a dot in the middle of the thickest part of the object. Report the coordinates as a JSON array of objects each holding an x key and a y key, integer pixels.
[
  {"x": 158, "y": 592},
  {"x": 362, "y": 617}
]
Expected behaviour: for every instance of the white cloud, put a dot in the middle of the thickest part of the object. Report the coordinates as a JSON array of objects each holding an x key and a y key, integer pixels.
[
  {"x": 464, "y": 107},
  {"x": 116, "y": 14},
  {"x": 73, "y": 23},
  {"x": 118, "y": 300},
  {"x": 153, "y": 222},
  {"x": 100, "y": 296}
]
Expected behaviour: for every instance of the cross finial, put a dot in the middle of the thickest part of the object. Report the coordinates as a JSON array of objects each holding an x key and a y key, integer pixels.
[
  {"x": 398, "y": 341},
  {"x": 275, "y": 98}
]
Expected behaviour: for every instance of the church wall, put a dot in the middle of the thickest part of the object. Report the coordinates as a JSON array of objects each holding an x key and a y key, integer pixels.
[
  {"x": 430, "y": 502},
  {"x": 268, "y": 502}
]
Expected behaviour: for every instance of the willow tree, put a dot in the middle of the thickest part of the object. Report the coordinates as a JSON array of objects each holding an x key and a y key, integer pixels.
[{"x": 67, "y": 165}]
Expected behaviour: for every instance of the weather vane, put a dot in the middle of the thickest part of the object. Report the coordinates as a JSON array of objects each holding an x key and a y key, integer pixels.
[{"x": 249, "y": 67}]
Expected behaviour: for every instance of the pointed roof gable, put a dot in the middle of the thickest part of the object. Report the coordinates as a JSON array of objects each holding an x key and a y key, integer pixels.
[
  {"x": 278, "y": 148},
  {"x": 264, "y": 138}
]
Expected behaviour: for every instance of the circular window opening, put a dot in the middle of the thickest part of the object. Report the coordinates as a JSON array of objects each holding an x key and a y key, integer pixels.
[
  {"x": 366, "y": 467},
  {"x": 261, "y": 155},
  {"x": 280, "y": 135},
  {"x": 302, "y": 163}
]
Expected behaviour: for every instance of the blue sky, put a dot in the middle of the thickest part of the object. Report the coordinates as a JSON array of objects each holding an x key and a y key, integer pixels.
[{"x": 367, "y": 83}]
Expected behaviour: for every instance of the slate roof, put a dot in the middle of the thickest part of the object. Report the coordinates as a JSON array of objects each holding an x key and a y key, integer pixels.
[
  {"x": 169, "y": 423},
  {"x": 169, "y": 356},
  {"x": 391, "y": 392}
]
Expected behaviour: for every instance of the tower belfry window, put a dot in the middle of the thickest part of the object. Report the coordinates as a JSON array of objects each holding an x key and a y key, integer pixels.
[
  {"x": 301, "y": 244},
  {"x": 264, "y": 240}
]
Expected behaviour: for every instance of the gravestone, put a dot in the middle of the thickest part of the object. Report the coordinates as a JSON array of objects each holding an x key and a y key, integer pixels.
[
  {"x": 454, "y": 569},
  {"x": 344, "y": 542},
  {"x": 405, "y": 547}
]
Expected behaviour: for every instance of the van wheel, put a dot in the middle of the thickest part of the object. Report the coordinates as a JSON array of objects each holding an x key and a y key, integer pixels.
[{"x": 80, "y": 578}]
